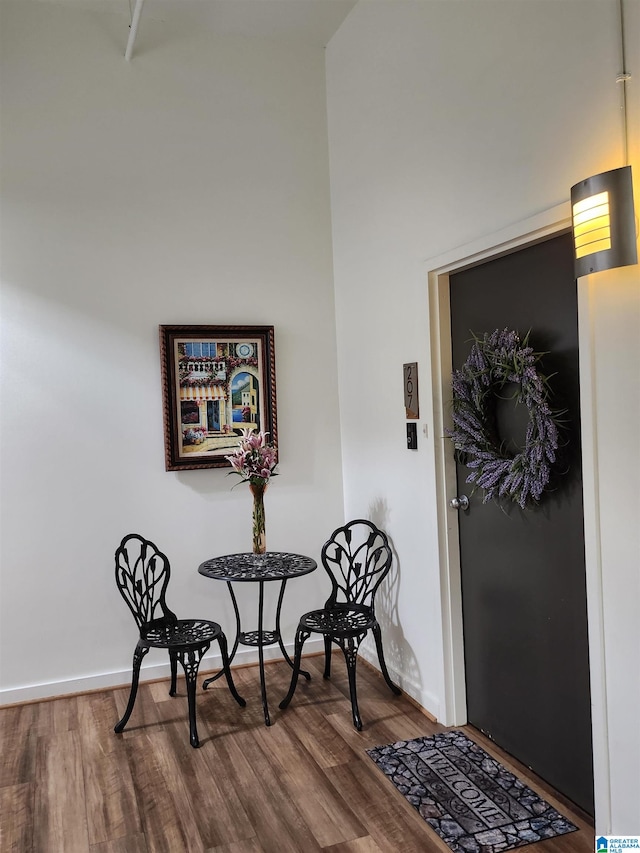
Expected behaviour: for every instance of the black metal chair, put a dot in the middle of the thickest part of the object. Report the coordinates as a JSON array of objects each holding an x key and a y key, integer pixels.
[
  {"x": 357, "y": 558},
  {"x": 142, "y": 576}
]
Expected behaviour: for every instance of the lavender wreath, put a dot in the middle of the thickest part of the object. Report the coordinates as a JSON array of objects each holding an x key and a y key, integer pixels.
[{"x": 495, "y": 360}]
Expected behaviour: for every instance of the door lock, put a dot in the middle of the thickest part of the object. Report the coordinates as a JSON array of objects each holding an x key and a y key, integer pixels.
[{"x": 461, "y": 502}]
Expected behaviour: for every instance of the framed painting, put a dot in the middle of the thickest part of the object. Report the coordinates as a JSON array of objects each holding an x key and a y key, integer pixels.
[{"x": 216, "y": 381}]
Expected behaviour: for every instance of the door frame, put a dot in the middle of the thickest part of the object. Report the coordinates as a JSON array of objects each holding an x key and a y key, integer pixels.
[{"x": 543, "y": 226}]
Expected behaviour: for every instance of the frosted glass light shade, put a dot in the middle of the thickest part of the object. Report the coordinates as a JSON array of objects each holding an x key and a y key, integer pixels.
[{"x": 604, "y": 227}]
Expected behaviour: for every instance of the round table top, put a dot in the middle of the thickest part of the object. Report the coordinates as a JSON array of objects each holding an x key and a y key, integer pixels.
[{"x": 270, "y": 566}]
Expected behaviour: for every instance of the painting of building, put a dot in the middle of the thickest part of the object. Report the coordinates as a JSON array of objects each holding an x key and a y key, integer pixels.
[{"x": 219, "y": 393}]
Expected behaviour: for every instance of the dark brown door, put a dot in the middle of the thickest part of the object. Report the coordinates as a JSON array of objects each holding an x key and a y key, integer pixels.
[{"x": 523, "y": 571}]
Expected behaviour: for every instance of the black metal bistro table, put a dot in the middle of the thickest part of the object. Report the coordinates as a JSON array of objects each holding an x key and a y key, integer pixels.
[{"x": 258, "y": 568}]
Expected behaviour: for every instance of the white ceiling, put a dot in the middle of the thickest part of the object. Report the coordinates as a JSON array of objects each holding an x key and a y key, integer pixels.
[{"x": 312, "y": 22}]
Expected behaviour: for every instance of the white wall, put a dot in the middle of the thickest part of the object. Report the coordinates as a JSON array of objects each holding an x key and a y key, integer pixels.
[
  {"x": 448, "y": 122},
  {"x": 192, "y": 186},
  {"x": 188, "y": 186}
]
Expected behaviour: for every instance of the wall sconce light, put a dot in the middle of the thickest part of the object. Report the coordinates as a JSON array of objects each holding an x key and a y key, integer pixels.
[
  {"x": 603, "y": 217},
  {"x": 604, "y": 225}
]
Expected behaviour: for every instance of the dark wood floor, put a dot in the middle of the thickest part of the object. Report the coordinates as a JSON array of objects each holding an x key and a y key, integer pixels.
[{"x": 68, "y": 783}]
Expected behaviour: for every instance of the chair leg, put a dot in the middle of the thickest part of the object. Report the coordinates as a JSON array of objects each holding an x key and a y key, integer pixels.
[
  {"x": 174, "y": 672},
  {"x": 327, "y": 656},
  {"x": 139, "y": 653},
  {"x": 227, "y": 671},
  {"x": 190, "y": 660},
  {"x": 350, "y": 649},
  {"x": 377, "y": 634},
  {"x": 301, "y": 637}
]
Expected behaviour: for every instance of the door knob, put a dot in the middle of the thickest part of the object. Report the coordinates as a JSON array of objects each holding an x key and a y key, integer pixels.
[{"x": 461, "y": 502}]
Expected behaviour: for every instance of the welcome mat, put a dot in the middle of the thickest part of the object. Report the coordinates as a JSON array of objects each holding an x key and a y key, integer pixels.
[{"x": 474, "y": 803}]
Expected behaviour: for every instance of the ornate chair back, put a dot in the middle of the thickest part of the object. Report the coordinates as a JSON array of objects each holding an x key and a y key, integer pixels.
[
  {"x": 142, "y": 576},
  {"x": 357, "y": 558}
]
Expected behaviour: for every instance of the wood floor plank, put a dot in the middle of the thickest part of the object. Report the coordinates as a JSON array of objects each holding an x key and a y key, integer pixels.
[
  {"x": 375, "y": 699},
  {"x": 378, "y": 733},
  {"x": 18, "y": 753},
  {"x": 16, "y": 823},
  {"x": 573, "y": 842},
  {"x": 384, "y": 723},
  {"x": 320, "y": 690},
  {"x": 144, "y": 715},
  {"x": 326, "y": 814},
  {"x": 317, "y": 736},
  {"x": 21, "y": 726},
  {"x": 159, "y": 691},
  {"x": 358, "y": 845},
  {"x": 112, "y": 808},
  {"x": 60, "y": 817},
  {"x": 303, "y": 785},
  {"x": 221, "y": 817},
  {"x": 251, "y": 845},
  {"x": 384, "y": 812},
  {"x": 96, "y": 716},
  {"x": 128, "y": 844},
  {"x": 64, "y": 712},
  {"x": 33, "y": 717},
  {"x": 274, "y": 818},
  {"x": 168, "y": 821},
  {"x": 217, "y": 711},
  {"x": 248, "y": 685}
]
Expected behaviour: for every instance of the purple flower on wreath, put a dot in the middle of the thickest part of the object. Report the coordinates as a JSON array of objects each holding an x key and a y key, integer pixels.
[{"x": 496, "y": 359}]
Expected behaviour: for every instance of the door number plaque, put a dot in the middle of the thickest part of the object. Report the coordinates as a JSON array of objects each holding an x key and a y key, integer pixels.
[{"x": 411, "y": 390}]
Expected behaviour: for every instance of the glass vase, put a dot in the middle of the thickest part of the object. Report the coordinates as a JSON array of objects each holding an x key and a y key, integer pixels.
[{"x": 259, "y": 535}]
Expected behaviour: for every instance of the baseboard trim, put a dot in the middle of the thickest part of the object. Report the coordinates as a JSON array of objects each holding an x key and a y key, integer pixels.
[
  {"x": 424, "y": 701},
  {"x": 152, "y": 672}
]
